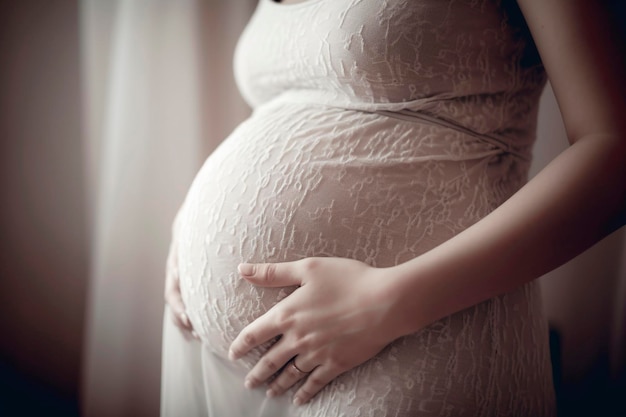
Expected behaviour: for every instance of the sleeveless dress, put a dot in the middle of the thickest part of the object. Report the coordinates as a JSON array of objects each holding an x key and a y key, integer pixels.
[{"x": 380, "y": 129}]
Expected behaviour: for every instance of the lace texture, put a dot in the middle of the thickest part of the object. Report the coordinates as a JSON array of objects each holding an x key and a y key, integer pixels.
[{"x": 381, "y": 128}]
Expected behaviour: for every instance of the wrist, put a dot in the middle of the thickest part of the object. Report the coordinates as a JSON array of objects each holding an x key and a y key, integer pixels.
[{"x": 405, "y": 299}]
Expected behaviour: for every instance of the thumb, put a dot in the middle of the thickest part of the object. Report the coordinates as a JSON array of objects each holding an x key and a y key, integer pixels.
[{"x": 270, "y": 275}]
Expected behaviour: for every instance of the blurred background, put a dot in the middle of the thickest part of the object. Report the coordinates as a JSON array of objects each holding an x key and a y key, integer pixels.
[{"x": 107, "y": 110}]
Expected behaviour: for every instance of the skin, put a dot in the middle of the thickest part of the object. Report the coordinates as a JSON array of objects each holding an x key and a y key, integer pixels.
[
  {"x": 345, "y": 311},
  {"x": 292, "y": 1},
  {"x": 173, "y": 296}
]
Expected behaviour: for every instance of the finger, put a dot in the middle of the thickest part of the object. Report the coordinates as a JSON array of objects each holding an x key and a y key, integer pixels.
[
  {"x": 173, "y": 295},
  {"x": 318, "y": 379},
  {"x": 187, "y": 332},
  {"x": 181, "y": 320},
  {"x": 282, "y": 274},
  {"x": 174, "y": 299},
  {"x": 256, "y": 333},
  {"x": 273, "y": 360},
  {"x": 287, "y": 378}
]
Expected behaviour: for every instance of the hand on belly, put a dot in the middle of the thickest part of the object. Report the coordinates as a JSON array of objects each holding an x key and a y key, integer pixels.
[{"x": 337, "y": 319}]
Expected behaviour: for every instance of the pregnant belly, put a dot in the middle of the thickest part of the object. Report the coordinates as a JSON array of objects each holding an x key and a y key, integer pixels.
[{"x": 305, "y": 181}]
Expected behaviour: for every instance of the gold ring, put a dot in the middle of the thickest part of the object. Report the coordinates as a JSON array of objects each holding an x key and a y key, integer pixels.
[{"x": 298, "y": 370}]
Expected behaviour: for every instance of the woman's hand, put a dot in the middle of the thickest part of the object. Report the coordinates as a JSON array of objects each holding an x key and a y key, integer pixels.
[
  {"x": 173, "y": 296},
  {"x": 339, "y": 317}
]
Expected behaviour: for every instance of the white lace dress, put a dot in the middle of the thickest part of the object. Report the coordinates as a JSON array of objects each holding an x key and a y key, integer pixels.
[{"x": 381, "y": 128}]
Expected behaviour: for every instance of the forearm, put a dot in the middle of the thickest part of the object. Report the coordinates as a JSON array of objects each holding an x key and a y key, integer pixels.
[{"x": 573, "y": 203}]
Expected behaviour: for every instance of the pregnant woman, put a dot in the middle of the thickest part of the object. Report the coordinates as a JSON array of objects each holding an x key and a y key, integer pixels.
[{"x": 365, "y": 244}]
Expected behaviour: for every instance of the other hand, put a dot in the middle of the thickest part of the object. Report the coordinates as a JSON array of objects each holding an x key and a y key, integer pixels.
[
  {"x": 339, "y": 317},
  {"x": 173, "y": 295}
]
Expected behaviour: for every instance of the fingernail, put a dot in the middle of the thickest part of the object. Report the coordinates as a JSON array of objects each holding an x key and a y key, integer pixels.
[
  {"x": 184, "y": 319},
  {"x": 195, "y": 335},
  {"x": 248, "y": 384},
  {"x": 270, "y": 393},
  {"x": 231, "y": 355},
  {"x": 297, "y": 401},
  {"x": 246, "y": 269}
]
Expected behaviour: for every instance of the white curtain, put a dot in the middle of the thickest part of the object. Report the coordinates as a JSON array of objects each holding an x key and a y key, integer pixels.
[
  {"x": 148, "y": 130},
  {"x": 159, "y": 96}
]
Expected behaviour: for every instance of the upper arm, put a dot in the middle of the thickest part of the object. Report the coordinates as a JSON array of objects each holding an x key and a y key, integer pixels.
[{"x": 583, "y": 62}]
